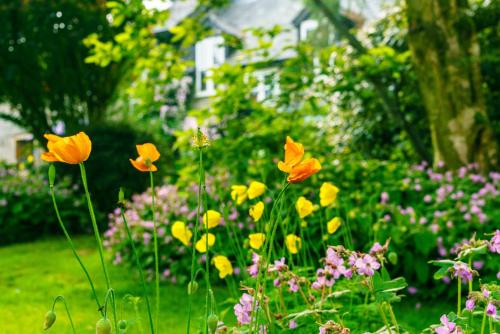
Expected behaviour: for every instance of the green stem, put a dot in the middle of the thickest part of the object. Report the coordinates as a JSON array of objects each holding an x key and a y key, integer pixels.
[
  {"x": 459, "y": 299},
  {"x": 141, "y": 273},
  {"x": 208, "y": 303},
  {"x": 193, "y": 254},
  {"x": 155, "y": 241},
  {"x": 470, "y": 281},
  {"x": 268, "y": 243},
  {"x": 67, "y": 311},
  {"x": 72, "y": 246},
  {"x": 483, "y": 323},
  {"x": 393, "y": 318},
  {"x": 94, "y": 225}
]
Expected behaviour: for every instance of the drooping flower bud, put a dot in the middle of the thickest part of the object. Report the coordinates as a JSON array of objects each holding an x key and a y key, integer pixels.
[
  {"x": 103, "y": 326},
  {"x": 50, "y": 318},
  {"x": 192, "y": 287},
  {"x": 212, "y": 322}
]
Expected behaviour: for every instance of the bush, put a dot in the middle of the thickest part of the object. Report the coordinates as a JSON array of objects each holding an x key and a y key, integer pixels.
[{"x": 26, "y": 209}]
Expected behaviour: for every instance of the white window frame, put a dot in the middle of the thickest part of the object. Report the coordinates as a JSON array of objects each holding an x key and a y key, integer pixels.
[
  {"x": 306, "y": 27},
  {"x": 262, "y": 87},
  {"x": 209, "y": 53}
]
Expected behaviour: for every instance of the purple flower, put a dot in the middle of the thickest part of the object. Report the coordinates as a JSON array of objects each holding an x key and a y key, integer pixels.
[
  {"x": 243, "y": 309},
  {"x": 447, "y": 327},
  {"x": 463, "y": 271},
  {"x": 335, "y": 264},
  {"x": 366, "y": 265},
  {"x": 470, "y": 304},
  {"x": 384, "y": 198},
  {"x": 495, "y": 243},
  {"x": 412, "y": 290},
  {"x": 293, "y": 285},
  {"x": 253, "y": 270},
  {"x": 491, "y": 310},
  {"x": 292, "y": 324}
]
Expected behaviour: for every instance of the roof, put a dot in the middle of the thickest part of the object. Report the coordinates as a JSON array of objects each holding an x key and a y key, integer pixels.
[{"x": 240, "y": 15}]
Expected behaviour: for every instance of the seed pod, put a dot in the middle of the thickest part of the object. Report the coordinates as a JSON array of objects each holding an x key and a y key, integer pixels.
[
  {"x": 103, "y": 326},
  {"x": 393, "y": 258},
  {"x": 212, "y": 321},
  {"x": 122, "y": 324},
  {"x": 192, "y": 287},
  {"x": 50, "y": 318}
]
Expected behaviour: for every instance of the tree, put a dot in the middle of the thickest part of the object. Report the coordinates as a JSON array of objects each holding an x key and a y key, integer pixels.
[
  {"x": 387, "y": 98},
  {"x": 446, "y": 55},
  {"x": 42, "y": 64}
]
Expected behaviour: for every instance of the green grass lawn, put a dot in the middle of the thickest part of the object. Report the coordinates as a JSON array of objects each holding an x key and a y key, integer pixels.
[{"x": 32, "y": 274}]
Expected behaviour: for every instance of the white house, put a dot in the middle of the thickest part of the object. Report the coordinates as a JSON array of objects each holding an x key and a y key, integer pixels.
[{"x": 16, "y": 144}]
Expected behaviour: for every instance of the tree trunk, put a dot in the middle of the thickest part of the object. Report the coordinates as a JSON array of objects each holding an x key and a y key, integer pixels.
[{"x": 446, "y": 55}]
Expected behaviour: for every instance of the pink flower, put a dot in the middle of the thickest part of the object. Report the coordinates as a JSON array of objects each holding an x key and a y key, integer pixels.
[
  {"x": 243, "y": 309},
  {"x": 448, "y": 327},
  {"x": 495, "y": 243},
  {"x": 293, "y": 285},
  {"x": 491, "y": 310},
  {"x": 469, "y": 304},
  {"x": 292, "y": 324},
  {"x": 462, "y": 270},
  {"x": 384, "y": 198},
  {"x": 367, "y": 265}
]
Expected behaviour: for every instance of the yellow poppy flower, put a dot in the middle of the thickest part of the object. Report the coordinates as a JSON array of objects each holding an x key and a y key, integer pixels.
[
  {"x": 327, "y": 194},
  {"x": 256, "y": 240},
  {"x": 255, "y": 189},
  {"x": 333, "y": 225},
  {"x": 223, "y": 265},
  {"x": 211, "y": 217},
  {"x": 239, "y": 193},
  {"x": 71, "y": 150},
  {"x": 201, "y": 245},
  {"x": 256, "y": 211},
  {"x": 304, "y": 207},
  {"x": 293, "y": 243},
  {"x": 181, "y": 232},
  {"x": 147, "y": 155}
]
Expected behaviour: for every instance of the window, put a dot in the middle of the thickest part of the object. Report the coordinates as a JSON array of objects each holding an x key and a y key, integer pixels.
[
  {"x": 23, "y": 147},
  {"x": 306, "y": 28},
  {"x": 267, "y": 86},
  {"x": 209, "y": 53}
]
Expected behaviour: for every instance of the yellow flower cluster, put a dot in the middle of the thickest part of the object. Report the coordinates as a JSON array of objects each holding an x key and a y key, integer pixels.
[{"x": 240, "y": 193}]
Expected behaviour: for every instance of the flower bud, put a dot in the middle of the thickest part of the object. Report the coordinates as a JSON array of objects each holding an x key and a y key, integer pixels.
[
  {"x": 212, "y": 321},
  {"x": 393, "y": 258},
  {"x": 50, "y": 318},
  {"x": 52, "y": 174},
  {"x": 103, "y": 326},
  {"x": 122, "y": 324},
  {"x": 192, "y": 287}
]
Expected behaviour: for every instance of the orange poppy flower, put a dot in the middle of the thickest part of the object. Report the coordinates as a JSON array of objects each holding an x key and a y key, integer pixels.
[
  {"x": 298, "y": 170},
  {"x": 147, "y": 155},
  {"x": 293, "y": 155},
  {"x": 71, "y": 150}
]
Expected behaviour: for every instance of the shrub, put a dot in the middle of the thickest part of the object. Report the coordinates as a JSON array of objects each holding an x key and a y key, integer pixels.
[{"x": 26, "y": 209}]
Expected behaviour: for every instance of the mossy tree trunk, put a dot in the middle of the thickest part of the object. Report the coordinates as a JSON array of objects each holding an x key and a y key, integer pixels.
[{"x": 446, "y": 53}]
